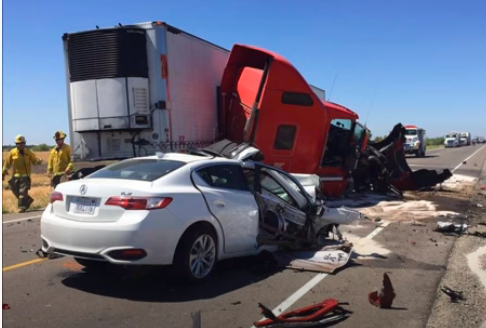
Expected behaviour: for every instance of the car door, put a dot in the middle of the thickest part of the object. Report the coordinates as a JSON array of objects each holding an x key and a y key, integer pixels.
[
  {"x": 279, "y": 195},
  {"x": 231, "y": 202}
]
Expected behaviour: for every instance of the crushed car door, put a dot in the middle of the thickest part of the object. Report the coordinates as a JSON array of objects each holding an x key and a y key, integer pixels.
[
  {"x": 231, "y": 202},
  {"x": 279, "y": 206}
]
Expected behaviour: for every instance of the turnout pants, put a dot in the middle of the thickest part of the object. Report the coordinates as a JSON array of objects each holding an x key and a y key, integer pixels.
[{"x": 20, "y": 187}]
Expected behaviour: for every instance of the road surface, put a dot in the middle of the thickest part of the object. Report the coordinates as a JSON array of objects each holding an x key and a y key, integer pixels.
[{"x": 58, "y": 293}]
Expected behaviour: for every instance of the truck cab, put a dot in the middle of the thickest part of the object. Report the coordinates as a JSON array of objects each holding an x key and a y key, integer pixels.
[
  {"x": 415, "y": 142},
  {"x": 452, "y": 140}
]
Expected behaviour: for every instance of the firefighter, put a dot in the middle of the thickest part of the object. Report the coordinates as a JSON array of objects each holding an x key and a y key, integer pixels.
[
  {"x": 22, "y": 158},
  {"x": 59, "y": 160}
]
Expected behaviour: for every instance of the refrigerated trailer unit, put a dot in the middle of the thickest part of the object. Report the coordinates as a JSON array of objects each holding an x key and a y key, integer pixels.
[{"x": 137, "y": 89}]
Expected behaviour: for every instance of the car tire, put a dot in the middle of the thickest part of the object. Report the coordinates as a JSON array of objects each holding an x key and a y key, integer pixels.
[
  {"x": 92, "y": 264},
  {"x": 196, "y": 255}
]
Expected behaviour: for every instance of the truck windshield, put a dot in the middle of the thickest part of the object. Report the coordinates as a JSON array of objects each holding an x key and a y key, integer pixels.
[
  {"x": 450, "y": 136},
  {"x": 411, "y": 132}
]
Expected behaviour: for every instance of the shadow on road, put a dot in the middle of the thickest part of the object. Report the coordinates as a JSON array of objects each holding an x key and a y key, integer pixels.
[{"x": 163, "y": 285}]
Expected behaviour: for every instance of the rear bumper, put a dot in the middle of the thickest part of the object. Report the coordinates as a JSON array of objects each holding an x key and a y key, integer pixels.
[{"x": 157, "y": 234}]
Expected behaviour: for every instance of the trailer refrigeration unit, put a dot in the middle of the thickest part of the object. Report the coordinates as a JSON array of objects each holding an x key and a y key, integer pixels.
[{"x": 137, "y": 89}]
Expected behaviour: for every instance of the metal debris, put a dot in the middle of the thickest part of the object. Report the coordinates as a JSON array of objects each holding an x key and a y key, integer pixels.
[
  {"x": 318, "y": 315},
  {"x": 384, "y": 299},
  {"x": 451, "y": 227},
  {"x": 236, "y": 303},
  {"x": 51, "y": 256},
  {"x": 453, "y": 294}
]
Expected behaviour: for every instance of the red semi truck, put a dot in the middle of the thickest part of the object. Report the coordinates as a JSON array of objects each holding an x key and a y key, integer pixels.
[{"x": 266, "y": 102}]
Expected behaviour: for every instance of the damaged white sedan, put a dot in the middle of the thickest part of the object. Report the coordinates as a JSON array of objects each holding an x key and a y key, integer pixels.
[{"x": 186, "y": 210}]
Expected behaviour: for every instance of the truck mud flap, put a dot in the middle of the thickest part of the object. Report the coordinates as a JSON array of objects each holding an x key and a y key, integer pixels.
[{"x": 402, "y": 177}]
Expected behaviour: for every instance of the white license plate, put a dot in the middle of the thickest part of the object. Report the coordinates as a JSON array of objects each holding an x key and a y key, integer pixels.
[{"x": 83, "y": 205}]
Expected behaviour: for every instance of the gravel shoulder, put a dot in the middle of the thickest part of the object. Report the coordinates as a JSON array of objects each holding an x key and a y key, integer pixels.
[{"x": 466, "y": 272}]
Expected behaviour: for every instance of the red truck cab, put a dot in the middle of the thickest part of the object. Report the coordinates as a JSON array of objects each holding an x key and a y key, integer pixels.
[{"x": 265, "y": 101}]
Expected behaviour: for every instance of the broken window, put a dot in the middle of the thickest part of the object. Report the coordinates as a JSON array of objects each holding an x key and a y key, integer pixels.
[
  {"x": 337, "y": 147},
  {"x": 270, "y": 185},
  {"x": 224, "y": 176},
  {"x": 285, "y": 137}
]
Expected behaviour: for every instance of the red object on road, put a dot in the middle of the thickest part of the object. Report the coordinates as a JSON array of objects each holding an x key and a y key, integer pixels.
[
  {"x": 384, "y": 299},
  {"x": 311, "y": 313},
  {"x": 5, "y": 306}
]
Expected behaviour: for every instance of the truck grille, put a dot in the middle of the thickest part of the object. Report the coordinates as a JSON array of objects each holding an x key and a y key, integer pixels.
[{"x": 108, "y": 53}]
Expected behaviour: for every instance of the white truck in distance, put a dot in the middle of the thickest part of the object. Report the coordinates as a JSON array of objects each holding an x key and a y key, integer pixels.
[
  {"x": 452, "y": 139},
  {"x": 465, "y": 138},
  {"x": 415, "y": 142},
  {"x": 138, "y": 89}
]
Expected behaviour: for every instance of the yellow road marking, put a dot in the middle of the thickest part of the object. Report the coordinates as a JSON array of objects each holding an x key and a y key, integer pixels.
[{"x": 19, "y": 265}]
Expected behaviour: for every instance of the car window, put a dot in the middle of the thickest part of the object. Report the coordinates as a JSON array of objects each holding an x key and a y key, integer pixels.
[
  {"x": 139, "y": 169},
  {"x": 224, "y": 176},
  {"x": 272, "y": 186}
]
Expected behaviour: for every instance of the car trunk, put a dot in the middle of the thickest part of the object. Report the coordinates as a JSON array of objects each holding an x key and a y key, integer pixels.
[{"x": 85, "y": 200}]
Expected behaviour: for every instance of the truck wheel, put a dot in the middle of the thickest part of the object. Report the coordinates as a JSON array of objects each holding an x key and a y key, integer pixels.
[{"x": 196, "y": 254}]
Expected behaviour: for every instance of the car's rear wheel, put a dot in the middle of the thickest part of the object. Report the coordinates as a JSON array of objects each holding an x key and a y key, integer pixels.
[
  {"x": 196, "y": 254},
  {"x": 92, "y": 264}
]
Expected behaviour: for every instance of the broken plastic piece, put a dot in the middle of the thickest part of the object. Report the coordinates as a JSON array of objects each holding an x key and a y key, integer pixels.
[
  {"x": 384, "y": 299},
  {"x": 451, "y": 227},
  {"x": 317, "y": 315},
  {"x": 5, "y": 306},
  {"x": 453, "y": 294}
]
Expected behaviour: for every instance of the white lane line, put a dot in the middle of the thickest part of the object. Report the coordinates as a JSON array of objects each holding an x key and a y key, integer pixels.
[
  {"x": 316, "y": 280},
  {"x": 23, "y": 219},
  {"x": 467, "y": 159}
]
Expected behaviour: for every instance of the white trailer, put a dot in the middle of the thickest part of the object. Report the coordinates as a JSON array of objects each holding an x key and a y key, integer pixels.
[
  {"x": 137, "y": 89},
  {"x": 466, "y": 138},
  {"x": 452, "y": 139}
]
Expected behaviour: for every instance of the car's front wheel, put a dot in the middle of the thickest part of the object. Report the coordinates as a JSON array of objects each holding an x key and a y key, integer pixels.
[{"x": 196, "y": 254}]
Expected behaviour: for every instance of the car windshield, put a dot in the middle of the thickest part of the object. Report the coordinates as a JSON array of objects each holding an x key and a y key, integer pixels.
[
  {"x": 139, "y": 169},
  {"x": 411, "y": 132}
]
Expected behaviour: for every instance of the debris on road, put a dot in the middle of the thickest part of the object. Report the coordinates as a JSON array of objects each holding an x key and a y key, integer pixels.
[
  {"x": 433, "y": 240},
  {"x": 384, "y": 299},
  {"x": 417, "y": 224},
  {"x": 235, "y": 303},
  {"x": 196, "y": 319},
  {"x": 477, "y": 234},
  {"x": 51, "y": 256},
  {"x": 5, "y": 306},
  {"x": 480, "y": 205},
  {"x": 451, "y": 227},
  {"x": 327, "y": 259},
  {"x": 317, "y": 315},
  {"x": 455, "y": 295}
]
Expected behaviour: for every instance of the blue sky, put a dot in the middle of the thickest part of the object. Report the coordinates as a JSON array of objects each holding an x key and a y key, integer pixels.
[{"x": 414, "y": 61}]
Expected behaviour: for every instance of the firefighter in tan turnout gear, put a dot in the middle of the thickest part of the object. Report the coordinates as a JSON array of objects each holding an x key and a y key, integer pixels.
[
  {"x": 22, "y": 159},
  {"x": 59, "y": 160}
]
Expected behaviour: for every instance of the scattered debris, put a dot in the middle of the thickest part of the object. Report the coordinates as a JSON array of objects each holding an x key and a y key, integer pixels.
[
  {"x": 5, "y": 306},
  {"x": 433, "y": 240},
  {"x": 384, "y": 299},
  {"x": 413, "y": 242},
  {"x": 479, "y": 205},
  {"x": 51, "y": 256},
  {"x": 327, "y": 259},
  {"x": 377, "y": 220},
  {"x": 23, "y": 251},
  {"x": 453, "y": 294},
  {"x": 317, "y": 315},
  {"x": 236, "y": 303},
  {"x": 451, "y": 227}
]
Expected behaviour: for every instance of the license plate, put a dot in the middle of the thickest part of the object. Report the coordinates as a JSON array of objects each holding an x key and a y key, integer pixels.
[{"x": 83, "y": 205}]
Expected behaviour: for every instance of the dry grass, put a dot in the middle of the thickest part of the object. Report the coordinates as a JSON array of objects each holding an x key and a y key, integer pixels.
[{"x": 41, "y": 197}]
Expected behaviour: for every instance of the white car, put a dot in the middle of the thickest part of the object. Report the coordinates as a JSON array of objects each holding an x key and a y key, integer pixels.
[{"x": 184, "y": 210}]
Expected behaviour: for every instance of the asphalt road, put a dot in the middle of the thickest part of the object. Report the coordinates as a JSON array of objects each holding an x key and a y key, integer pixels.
[{"x": 59, "y": 293}]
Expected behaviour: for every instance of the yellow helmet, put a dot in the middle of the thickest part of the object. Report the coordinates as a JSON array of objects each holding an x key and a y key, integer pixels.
[
  {"x": 19, "y": 139},
  {"x": 59, "y": 135}
]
